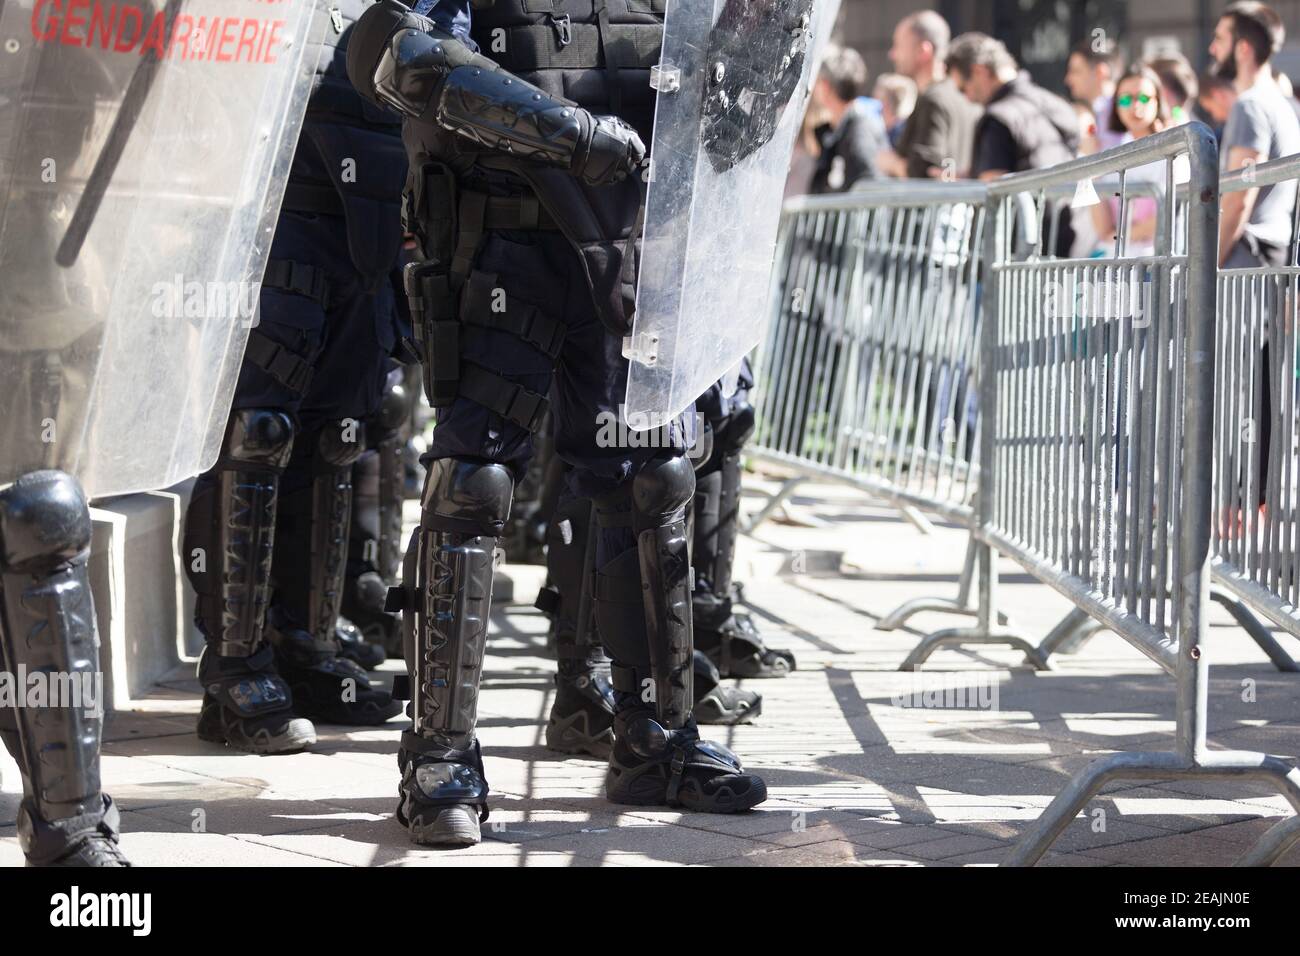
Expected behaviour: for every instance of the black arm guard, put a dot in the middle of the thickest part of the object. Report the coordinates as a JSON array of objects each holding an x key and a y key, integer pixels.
[{"x": 405, "y": 61}]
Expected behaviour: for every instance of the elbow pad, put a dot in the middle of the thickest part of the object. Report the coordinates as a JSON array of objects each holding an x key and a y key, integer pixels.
[{"x": 399, "y": 59}]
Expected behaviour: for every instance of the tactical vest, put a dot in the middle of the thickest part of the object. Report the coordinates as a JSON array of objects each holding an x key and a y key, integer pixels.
[
  {"x": 597, "y": 53},
  {"x": 350, "y": 160}
]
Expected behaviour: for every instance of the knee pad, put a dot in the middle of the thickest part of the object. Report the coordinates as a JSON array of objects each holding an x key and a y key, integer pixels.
[
  {"x": 468, "y": 497},
  {"x": 258, "y": 437},
  {"x": 661, "y": 489},
  {"x": 44, "y": 522},
  {"x": 340, "y": 444}
]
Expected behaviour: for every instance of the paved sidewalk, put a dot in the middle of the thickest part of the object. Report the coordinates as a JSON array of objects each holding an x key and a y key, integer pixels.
[{"x": 854, "y": 778}]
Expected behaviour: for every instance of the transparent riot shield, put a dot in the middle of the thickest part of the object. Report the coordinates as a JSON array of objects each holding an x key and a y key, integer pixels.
[
  {"x": 734, "y": 80},
  {"x": 144, "y": 147}
]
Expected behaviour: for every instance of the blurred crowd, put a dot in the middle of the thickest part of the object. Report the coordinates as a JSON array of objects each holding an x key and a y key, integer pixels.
[{"x": 961, "y": 108}]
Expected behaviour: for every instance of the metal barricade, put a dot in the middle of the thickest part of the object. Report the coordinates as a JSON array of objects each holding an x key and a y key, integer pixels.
[
  {"x": 1097, "y": 413},
  {"x": 868, "y": 372},
  {"x": 1256, "y": 462},
  {"x": 1257, "y": 465}
]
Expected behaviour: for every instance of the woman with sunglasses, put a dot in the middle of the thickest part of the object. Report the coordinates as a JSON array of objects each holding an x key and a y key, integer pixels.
[{"x": 1140, "y": 110}]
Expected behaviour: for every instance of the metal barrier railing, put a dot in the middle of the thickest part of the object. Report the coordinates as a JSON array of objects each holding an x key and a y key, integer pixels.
[
  {"x": 1098, "y": 451},
  {"x": 1257, "y": 467},
  {"x": 868, "y": 366},
  {"x": 1097, "y": 422},
  {"x": 1256, "y": 462},
  {"x": 868, "y": 372}
]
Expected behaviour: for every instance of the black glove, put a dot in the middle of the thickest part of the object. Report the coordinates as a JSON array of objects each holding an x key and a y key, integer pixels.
[{"x": 613, "y": 151}]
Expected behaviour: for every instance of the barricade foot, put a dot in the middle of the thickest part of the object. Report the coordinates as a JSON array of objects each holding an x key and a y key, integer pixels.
[
  {"x": 960, "y": 636},
  {"x": 1070, "y": 634},
  {"x": 1163, "y": 766},
  {"x": 898, "y": 617},
  {"x": 749, "y": 526},
  {"x": 1253, "y": 626}
]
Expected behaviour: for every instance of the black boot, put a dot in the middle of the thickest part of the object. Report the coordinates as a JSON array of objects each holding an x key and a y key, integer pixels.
[
  {"x": 446, "y": 596},
  {"x": 717, "y": 703},
  {"x": 47, "y": 624},
  {"x": 643, "y": 611},
  {"x": 327, "y": 687},
  {"x": 310, "y": 558},
  {"x": 354, "y": 647},
  {"x": 732, "y": 642},
  {"x": 229, "y": 540},
  {"x": 653, "y": 766}
]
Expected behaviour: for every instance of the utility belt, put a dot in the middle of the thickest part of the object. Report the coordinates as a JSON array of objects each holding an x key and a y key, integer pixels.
[{"x": 445, "y": 291}]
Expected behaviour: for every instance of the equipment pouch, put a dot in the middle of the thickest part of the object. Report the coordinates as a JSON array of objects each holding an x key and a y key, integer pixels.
[{"x": 434, "y": 311}]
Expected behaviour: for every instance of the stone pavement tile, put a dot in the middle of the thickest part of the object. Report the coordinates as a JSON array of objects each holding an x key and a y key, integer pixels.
[
  {"x": 1183, "y": 810},
  {"x": 1079, "y": 836},
  {"x": 796, "y": 857},
  {"x": 128, "y": 724},
  {"x": 150, "y": 840},
  {"x": 953, "y": 844},
  {"x": 140, "y": 784},
  {"x": 368, "y": 845},
  {"x": 545, "y": 776},
  {"x": 833, "y": 853},
  {"x": 1282, "y": 739},
  {"x": 1173, "y": 849},
  {"x": 995, "y": 856},
  {"x": 258, "y": 812},
  {"x": 659, "y": 841},
  {"x": 785, "y": 827},
  {"x": 1242, "y": 835},
  {"x": 887, "y": 836},
  {"x": 518, "y": 857}
]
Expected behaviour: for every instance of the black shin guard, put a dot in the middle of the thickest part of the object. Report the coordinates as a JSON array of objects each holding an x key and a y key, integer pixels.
[
  {"x": 312, "y": 530},
  {"x": 310, "y": 561},
  {"x": 375, "y": 536},
  {"x": 446, "y": 598},
  {"x": 582, "y": 713},
  {"x": 230, "y": 531},
  {"x": 229, "y": 542},
  {"x": 658, "y": 757},
  {"x": 47, "y": 625},
  {"x": 661, "y": 492},
  {"x": 730, "y": 639}
]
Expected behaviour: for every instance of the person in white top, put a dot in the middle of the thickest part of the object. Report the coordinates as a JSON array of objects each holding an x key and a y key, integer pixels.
[{"x": 1141, "y": 109}]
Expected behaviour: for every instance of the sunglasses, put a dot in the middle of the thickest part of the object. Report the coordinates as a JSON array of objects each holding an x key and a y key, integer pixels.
[{"x": 1126, "y": 101}]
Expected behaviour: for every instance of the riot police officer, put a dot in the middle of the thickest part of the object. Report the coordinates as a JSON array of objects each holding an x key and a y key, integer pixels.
[
  {"x": 526, "y": 207},
  {"x": 271, "y": 519}
]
